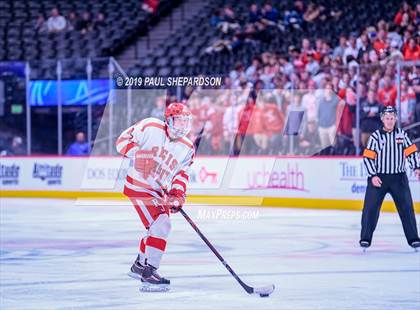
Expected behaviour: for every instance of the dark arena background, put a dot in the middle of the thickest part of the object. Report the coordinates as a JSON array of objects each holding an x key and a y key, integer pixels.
[{"x": 283, "y": 98}]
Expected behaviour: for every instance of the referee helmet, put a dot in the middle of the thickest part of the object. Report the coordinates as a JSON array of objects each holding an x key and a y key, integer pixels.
[{"x": 389, "y": 109}]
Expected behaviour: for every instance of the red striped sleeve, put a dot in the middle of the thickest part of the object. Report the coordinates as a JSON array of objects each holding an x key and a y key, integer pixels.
[
  {"x": 183, "y": 174},
  {"x": 180, "y": 183},
  {"x": 120, "y": 140},
  {"x": 127, "y": 148}
]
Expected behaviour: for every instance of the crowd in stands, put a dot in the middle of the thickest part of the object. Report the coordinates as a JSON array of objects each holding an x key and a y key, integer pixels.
[
  {"x": 259, "y": 24},
  {"x": 324, "y": 81},
  {"x": 59, "y": 23},
  {"x": 84, "y": 22},
  {"x": 323, "y": 78}
]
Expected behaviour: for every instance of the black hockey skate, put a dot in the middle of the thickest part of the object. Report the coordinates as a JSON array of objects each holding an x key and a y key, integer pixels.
[
  {"x": 364, "y": 244},
  {"x": 152, "y": 281},
  {"x": 136, "y": 269},
  {"x": 415, "y": 245}
]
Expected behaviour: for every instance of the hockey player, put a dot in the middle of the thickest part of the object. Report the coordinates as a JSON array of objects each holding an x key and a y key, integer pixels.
[{"x": 156, "y": 182}]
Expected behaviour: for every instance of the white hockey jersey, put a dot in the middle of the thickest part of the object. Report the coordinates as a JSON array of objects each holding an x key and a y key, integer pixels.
[{"x": 171, "y": 158}]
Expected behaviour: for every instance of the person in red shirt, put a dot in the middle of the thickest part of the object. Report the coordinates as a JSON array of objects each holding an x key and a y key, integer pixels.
[
  {"x": 273, "y": 120},
  {"x": 405, "y": 9},
  {"x": 215, "y": 128},
  {"x": 380, "y": 45},
  {"x": 411, "y": 50},
  {"x": 199, "y": 110},
  {"x": 388, "y": 94},
  {"x": 244, "y": 116},
  {"x": 257, "y": 130}
]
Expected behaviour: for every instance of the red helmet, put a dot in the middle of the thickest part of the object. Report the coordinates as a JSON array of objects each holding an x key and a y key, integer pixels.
[
  {"x": 176, "y": 109},
  {"x": 178, "y": 118}
]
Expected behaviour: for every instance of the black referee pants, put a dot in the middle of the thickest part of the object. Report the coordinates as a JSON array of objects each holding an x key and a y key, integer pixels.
[{"x": 397, "y": 185}]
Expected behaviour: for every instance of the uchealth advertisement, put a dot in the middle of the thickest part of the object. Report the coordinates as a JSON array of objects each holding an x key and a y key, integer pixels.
[
  {"x": 286, "y": 177},
  {"x": 323, "y": 177}
]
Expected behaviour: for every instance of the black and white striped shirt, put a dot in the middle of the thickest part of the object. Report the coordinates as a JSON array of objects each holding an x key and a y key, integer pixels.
[{"x": 385, "y": 152}]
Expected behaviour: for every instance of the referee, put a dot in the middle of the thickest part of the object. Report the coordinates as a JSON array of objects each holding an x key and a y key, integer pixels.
[{"x": 384, "y": 159}]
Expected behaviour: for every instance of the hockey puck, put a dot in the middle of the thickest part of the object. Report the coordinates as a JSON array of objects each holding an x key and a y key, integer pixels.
[{"x": 264, "y": 295}]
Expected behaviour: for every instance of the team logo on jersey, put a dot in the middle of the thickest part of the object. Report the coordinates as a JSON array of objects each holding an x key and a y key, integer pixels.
[
  {"x": 49, "y": 173},
  {"x": 9, "y": 174},
  {"x": 399, "y": 138},
  {"x": 145, "y": 163}
]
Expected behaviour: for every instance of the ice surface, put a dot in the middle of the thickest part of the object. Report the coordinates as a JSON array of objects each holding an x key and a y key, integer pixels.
[{"x": 62, "y": 254}]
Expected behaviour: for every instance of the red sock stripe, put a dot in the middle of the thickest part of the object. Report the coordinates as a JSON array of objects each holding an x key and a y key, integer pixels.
[
  {"x": 142, "y": 246},
  {"x": 156, "y": 243}
]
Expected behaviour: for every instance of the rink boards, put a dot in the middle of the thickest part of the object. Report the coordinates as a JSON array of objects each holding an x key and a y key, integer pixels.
[{"x": 306, "y": 182}]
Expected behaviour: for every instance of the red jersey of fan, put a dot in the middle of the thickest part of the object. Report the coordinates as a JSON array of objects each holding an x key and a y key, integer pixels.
[
  {"x": 273, "y": 119},
  {"x": 387, "y": 96}
]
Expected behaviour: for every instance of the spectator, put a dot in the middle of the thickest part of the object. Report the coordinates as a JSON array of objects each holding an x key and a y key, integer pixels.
[
  {"x": 216, "y": 18},
  {"x": 411, "y": 50},
  {"x": 85, "y": 24},
  {"x": 363, "y": 45},
  {"x": 214, "y": 128},
  {"x": 394, "y": 52},
  {"x": 244, "y": 141},
  {"x": 286, "y": 67},
  {"x": 294, "y": 17},
  {"x": 270, "y": 15},
  {"x": 408, "y": 103},
  {"x": 312, "y": 66},
  {"x": 80, "y": 147},
  {"x": 346, "y": 132},
  {"x": 339, "y": 50},
  {"x": 257, "y": 128},
  {"x": 72, "y": 21},
  {"x": 327, "y": 110},
  {"x": 229, "y": 21},
  {"x": 99, "y": 22},
  {"x": 41, "y": 25},
  {"x": 237, "y": 73},
  {"x": 254, "y": 15},
  {"x": 351, "y": 49},
  {"x": 273, "y": 120},
  {"x": 159, "y": 110},
  {"x": 395, "y": 36},
  {"x": 405, "y": 10},
  {"x": 380, "y": 44},
  {"x": 56, "y": 22},
  {"x": 230, "y": 121},
  {"x": 388, "y": 93},
  {"x": 309, "y": 142},
  {"x": 253, "y": 68},
  {"x": 370, "y": 119},
  {"x": 16, "y": 148},
  {"x": 309, "y": 103}
]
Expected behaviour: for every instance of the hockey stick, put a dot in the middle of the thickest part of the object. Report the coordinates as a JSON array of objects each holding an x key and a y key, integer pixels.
[{"x": 263, "y": 291}]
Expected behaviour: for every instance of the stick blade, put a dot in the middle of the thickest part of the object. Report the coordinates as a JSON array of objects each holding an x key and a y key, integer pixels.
[{"x": 264, "y": 291}]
